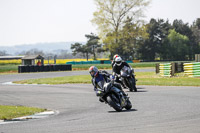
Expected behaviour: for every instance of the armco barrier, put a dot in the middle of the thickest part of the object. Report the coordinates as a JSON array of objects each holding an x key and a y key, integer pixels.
[
  {"x": 129, "y": 61},
  {"x": 106, "y": 62},
  {"x": 96, "y": 62},
  {"x": 192, "y": 69},
  {"x": 45, "y": 68}
]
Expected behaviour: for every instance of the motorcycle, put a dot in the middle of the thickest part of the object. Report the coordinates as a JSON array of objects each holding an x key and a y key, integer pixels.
[
  {"x": 114, "y": 97},
  {"x": 127, "y": 77}
]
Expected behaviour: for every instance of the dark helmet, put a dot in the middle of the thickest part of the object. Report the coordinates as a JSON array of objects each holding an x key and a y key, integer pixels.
[
  {"x": 118, "y": 61},
  {"x": 93, "y": 71}
]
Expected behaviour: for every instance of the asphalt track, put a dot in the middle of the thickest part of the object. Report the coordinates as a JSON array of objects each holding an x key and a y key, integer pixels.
[{"x": 155, "y": 109}]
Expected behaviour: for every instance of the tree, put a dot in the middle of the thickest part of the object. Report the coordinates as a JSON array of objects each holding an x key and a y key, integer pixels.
[
  {"x": 196, "y": 33},
  {"x": 93, "y": 44},
  {"x": 164, "y": 28},
  {"x": 80, "y": 48},
  {"x": 131, "y": 36},
  {"x": 179, "y": 49},
  {"x": 184, "y": 29},
  {"x": 91, "y": 47},
  {"x": 155, "y": 45},
  {"x": 111, "y": 15}
]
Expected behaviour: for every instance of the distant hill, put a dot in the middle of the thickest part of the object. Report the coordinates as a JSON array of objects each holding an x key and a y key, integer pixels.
[{"x": 45, "y": 47}]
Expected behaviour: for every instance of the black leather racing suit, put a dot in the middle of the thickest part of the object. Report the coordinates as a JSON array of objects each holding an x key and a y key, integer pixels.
[
  {"x": 117, "y": 69},
  {"x": 98, "y": 82}
]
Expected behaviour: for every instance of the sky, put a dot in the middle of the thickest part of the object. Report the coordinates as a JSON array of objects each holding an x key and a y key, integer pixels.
[{"x": 39, "y": 21}]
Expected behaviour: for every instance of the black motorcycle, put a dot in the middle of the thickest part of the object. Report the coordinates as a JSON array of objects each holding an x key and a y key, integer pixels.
[
  {"x": 115, "y": 97},
  {"x": 128, "y": 78}
]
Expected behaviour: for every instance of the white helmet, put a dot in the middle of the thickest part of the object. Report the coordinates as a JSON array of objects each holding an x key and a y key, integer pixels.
[{"x": 118, "y": 61}]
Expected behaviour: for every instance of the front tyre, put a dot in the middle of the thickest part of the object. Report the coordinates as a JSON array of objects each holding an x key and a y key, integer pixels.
[
  {"x": 113, "y": 103},
  {"x": 135, "y": 89},
  {"x": 132, "y": 84},
  {"x": 129, "y": 105}
]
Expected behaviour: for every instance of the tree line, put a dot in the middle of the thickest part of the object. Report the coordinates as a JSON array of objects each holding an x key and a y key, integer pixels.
[
  {"x": 176, "y": 41},
  {"x": 123, "y": 31},
  {"x": 156, "y": 40}
]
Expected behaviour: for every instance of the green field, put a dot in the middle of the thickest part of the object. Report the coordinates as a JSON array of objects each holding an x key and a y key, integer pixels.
[
  {"x": 9, "y": 68},
  {"x": 9, "y": 112},
  {"x": 144, "y": 78}
]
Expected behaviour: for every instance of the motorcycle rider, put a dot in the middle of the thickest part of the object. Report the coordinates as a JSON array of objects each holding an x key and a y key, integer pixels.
[
  {"x": 113, "y": 61},
  {"x": 119, "y": 64},
  {"x": 98, "y": 80}
]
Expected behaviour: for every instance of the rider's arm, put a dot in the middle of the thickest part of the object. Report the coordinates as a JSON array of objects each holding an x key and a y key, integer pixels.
[
  {"x": 112, "y": 64},
  {"x": 115, "y": 71},
  {"x": 98, "y": 92},
  {"x": 93, "y": 83},
  {"x": 126, "y": 64}
]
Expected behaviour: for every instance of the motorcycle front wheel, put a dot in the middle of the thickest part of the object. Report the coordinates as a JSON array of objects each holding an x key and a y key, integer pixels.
[
  {"x": 112, "y": 101},
  {"x": 129, "y": 105},
  {"x": 132, "y": 84}
]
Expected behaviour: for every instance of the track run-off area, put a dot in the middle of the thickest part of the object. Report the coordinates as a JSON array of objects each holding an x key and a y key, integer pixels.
[{"x": 156, "y": 109}]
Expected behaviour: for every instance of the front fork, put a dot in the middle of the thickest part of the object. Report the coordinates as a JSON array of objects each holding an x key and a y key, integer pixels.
[
  {"x": 122, "y": 99},
  {"x": 123, "y": 82}
]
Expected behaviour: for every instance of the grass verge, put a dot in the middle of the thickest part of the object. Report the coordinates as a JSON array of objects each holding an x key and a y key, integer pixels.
[
  {"x": 108, "y": 66},
  {"x": 144, "y": 78},
  {"x": 13, "y": 68},
  {"x": 58, "y": 80},
  {"x": 10, "y": 112}
]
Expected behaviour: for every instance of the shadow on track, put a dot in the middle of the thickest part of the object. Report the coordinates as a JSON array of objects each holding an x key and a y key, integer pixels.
[
  {"x": 130, "y": 110},
  {"x": 138, "y": 90}
]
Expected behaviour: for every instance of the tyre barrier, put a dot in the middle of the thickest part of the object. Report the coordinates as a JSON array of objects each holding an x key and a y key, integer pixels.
[
  {"x": 44, "y": 68},
  {"x": 197, "y": 57},
  {"x": 165, "y": 69},
  {"x": 179, "y": 67},
  {"x": 192, "y": 69},
  {"x": 175, "y": 67}
]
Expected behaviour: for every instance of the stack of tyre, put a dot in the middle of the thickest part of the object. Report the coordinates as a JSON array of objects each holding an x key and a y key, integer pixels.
[
  {"x": 192, "y": 69},
  {"x": 165, "y": 69}
]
